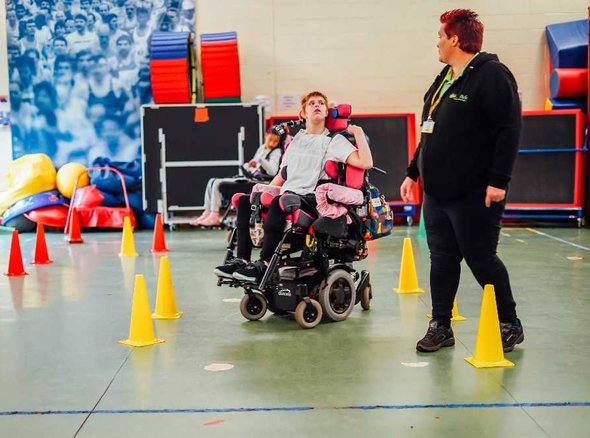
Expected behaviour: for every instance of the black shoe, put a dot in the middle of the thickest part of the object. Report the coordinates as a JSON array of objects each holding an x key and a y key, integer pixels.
[
  {"x": 251, "y": 273},
  {"x": 436, "y": 337},
  {"x": 512, "y": 334},
  {"x": 227, "y": 270}
]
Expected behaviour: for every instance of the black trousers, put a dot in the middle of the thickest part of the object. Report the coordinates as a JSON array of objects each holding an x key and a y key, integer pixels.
[
  {"x": 274, "y": 226},
  {"x": 465, "y": 229}
]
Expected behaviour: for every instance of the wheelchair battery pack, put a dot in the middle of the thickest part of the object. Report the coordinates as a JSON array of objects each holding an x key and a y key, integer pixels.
[{"x": 287, "y": 294}]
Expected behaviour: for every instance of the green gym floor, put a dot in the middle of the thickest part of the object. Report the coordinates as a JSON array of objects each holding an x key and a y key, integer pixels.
[{"x": 63, "y": 373}]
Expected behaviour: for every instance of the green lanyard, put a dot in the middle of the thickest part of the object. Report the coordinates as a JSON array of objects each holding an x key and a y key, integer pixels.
[{"x": 433, "y": 103}]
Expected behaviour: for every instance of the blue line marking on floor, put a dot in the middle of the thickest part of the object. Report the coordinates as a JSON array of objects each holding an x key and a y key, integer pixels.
[{"x": 306, "y": 408}]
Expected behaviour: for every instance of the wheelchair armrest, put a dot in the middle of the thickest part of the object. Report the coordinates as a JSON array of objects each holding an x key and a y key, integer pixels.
[
  {"x": 235, "y": 198},
  {"x": 266, "y": 199},
  {"x": 290, "y": 203}
]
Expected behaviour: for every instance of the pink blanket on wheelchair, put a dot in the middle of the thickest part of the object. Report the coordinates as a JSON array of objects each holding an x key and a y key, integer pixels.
[{"x": 332, "y": 200}]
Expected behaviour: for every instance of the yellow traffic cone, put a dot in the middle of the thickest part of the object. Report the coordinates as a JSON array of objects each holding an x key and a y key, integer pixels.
[
  {"x": 408, "y": 280},
  {"x": 141, "y": 329},
  {"x": 455, "y": 316},
  {"x": 165, "y": 300},
  {"x": 488, "y": 345},
  {"x": 127, "y": 243}
]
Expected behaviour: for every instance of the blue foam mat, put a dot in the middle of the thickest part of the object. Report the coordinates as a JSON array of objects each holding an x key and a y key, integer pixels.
[{"x": 568, "y": 44}]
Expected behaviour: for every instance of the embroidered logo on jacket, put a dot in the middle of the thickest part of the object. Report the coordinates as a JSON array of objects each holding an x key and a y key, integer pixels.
[{"x": 459, "y": 97}]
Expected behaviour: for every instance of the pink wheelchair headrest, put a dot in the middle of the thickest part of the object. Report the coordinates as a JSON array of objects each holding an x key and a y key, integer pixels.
[{"x": 338, "y": 117}]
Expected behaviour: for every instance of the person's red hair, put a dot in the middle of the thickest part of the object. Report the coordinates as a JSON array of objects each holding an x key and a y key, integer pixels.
[{"x": 466, "y": 25}]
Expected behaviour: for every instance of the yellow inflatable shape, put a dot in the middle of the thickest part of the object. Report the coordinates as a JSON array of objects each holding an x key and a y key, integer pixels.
[
  {"x": 67, "y": 175},
  {"x": 26, "y": 176}
]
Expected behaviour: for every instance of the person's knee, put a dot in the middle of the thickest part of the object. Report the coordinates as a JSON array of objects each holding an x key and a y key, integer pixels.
[
  {"x": 275, "y": 220},
  {"x": 244, "y": 212},
  {"x": 445, "y": 258}
]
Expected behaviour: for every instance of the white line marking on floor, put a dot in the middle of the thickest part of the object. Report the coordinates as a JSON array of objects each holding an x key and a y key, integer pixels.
[
  {"x": 532, "y": 230},
  {"x": 231, "y": 300},
  {"x": 505, "y": 234},
  {"x": 218, "y": 367},
  {"x": 521, "y": 241},
  {"x": 415, "y": 364}
]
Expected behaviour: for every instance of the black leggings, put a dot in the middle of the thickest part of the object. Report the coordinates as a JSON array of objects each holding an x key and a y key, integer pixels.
[
  {"x": 465, "y": 228},
  {"x": 274, "y": 225}
]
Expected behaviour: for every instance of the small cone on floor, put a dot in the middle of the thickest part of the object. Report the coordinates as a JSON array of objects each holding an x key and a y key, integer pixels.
[
  {"x": 422, "y": 225},
  {"x": 75, "y": 235},
  {"x": 141, "y": 328},
  {"x": 455, "y": 313},
  {"x": 488, "y": 344},
  {"x": 41, "y": 254},
  {"x": 127, "y": 242},
  {"x": 408, "y": 280},
  {"x": 158, "y": 243},
  {"x": 165, "y": 299},
  {"x": 15, "y": 261}
]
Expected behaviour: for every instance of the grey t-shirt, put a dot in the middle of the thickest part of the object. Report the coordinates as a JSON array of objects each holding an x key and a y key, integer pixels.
[{"x": 306, "y": 157}]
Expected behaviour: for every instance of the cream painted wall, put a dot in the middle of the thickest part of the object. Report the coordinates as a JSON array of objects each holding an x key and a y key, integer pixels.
[{"x": 379, "y": 55}]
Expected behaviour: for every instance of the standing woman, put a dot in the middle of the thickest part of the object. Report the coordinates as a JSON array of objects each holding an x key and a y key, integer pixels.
[{"x": 471, "y": 124}]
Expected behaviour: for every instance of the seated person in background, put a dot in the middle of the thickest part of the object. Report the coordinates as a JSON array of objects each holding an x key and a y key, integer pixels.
[
  {"x": 263, "y": 166},
  {"x": 305, "y": 160}
]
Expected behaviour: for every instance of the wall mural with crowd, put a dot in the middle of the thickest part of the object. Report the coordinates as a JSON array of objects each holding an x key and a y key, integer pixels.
[{"x": 79, "y": 72}]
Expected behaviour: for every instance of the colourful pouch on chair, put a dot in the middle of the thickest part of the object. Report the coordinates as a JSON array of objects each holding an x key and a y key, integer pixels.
[{"x": 379, "y": 220}]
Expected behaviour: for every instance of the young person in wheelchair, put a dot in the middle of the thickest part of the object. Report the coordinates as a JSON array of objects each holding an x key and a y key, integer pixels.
[
  {"x": 302, "y": 171},
  {"x": 263, "y": 166}
]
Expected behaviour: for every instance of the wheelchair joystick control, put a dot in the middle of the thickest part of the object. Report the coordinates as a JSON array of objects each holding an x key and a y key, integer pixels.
[{"x": 283, "y": 128}]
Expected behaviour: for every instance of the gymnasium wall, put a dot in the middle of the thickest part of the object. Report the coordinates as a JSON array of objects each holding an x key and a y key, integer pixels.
[{"x": 379, "y": 55}]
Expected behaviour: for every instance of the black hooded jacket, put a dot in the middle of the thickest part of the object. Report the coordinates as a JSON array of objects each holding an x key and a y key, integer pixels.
[{"x": 476, "y": 133}]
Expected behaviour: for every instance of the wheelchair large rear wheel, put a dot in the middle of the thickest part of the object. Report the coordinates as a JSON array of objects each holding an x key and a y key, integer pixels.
[
  {"x": 338, "y": 294},
  {"x": 308, "y": 315},
  {"x": 253, "y": 306}
]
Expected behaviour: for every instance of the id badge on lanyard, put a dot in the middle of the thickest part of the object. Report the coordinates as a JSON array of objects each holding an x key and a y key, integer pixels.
[{"x": 428, "y": 126}]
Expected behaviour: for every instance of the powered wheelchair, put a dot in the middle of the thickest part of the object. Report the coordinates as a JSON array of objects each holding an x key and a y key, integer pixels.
[{"x": 311, "y": 272}]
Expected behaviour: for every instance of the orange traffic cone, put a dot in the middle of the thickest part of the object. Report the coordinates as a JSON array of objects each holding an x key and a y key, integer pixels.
[
  {"x": 488, "y": 344},
  {"x": 15, "y": 262},
  {"x": 75, "y": 235},
  {"x": 158, "y": 243},
  {"x": 41, "y": 254}
]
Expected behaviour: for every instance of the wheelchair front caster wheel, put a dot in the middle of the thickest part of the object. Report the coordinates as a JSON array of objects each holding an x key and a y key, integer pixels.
[
  {"x": 253, "y": 306},
  {"x": 308, "y": 315},
  {"x": 366, "y": 297}
]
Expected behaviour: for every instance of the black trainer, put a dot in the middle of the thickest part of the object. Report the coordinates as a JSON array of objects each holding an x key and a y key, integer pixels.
[
  {"x": 252, "y": 273},
  {"x": 512, "y": 334},
  {"x": 227, "y": 270},
  {"x": 436, "y": 337}
]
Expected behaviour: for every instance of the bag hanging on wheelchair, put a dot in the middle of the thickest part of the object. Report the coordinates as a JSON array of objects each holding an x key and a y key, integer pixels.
[{"x": 379, "y": 220}]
